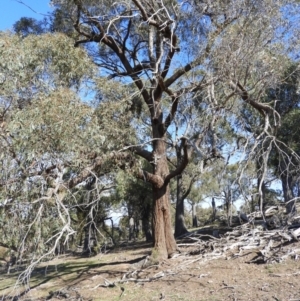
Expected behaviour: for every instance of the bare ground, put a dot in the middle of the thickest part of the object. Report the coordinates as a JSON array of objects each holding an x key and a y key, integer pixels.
[{"x": 118, "y": 275}]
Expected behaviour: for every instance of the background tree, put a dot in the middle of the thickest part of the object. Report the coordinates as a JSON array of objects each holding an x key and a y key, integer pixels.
[
  {"x": 285, "y": 98},
  {"x": 286, "y": 163},
  {"x": 136, "y": 198}
]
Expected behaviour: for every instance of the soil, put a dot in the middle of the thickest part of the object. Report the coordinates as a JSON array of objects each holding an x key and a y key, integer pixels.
[{"x": 186, "y": 277}]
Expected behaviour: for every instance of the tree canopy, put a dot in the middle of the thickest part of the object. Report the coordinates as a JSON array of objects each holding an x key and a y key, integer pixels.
[{"x": 145, "y": 87}]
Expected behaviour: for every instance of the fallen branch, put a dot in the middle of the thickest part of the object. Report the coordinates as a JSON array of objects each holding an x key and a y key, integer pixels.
[{"x": 124, "y": 280}]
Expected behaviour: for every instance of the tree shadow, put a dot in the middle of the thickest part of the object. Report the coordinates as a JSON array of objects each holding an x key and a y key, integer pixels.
[{"x": 80, "y": 271}]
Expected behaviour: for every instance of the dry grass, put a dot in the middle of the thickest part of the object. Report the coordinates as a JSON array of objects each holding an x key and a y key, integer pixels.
[{"x": 186, "y": 278}]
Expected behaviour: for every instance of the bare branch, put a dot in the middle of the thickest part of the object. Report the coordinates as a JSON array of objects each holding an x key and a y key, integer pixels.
[
  {"x": 145, "y": 16},
  {"x": 181, "y": 71}
]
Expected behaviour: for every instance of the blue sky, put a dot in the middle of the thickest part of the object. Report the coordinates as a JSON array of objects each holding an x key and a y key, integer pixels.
[{"x": 12, "y": 11}]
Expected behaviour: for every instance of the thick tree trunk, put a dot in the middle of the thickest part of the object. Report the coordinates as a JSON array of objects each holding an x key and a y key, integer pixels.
[
  {"x": 164, "y": 241},
  {"x": 180, "y": 227}
]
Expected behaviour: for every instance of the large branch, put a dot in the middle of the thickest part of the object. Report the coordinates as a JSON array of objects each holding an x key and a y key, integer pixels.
[
  {"x": 262, "y": 108},
  {"x": 142, "y": 153},
  {"x": 109, "y": 41},
  {"x": 185, "y": 160},
  {"x": 172, "y": 113},
  {"x": 175, "y": 99},
  {"x": 187, "y": 192},
  {"x": 181, "y": 71},
  {"x": 173, "y": 49},
  {"x": 96, "y": 167},
  {"x": 198, "y": 61},
  {"x": 27, "y": 174},
  {"x": 168, "y": 61},
  {"x": 145, "y": 16}
]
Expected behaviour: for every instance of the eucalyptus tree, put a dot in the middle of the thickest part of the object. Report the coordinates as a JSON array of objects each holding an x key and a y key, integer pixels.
[
  {"x": 27, "y": 131},
  {"x": 48, "y": 132},
  {"x": 172, "y": 49}
]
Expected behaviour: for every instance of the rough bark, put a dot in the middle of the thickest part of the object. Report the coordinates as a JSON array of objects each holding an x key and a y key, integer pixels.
[{"x": 164, "y": 241}]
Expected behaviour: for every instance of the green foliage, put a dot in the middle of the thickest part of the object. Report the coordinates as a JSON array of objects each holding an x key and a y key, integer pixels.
[
  {"x": 288, "y": 132},
  {"x": 48, "y": 134},
  {"x": 135, "y": 195},
  {"x": 67, "y": 112},
  {"x": 42, "y": 62}
]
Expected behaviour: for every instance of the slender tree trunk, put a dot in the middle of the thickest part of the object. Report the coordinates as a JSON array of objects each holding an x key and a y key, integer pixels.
[
  {"x": 194, "y": 216},
  {"x": 147, "y": 230},
  {"x": 231, "y": 208},
  {"x": 261, "y": 167},
  {"x": 146, "y": 223},
  {"x": 261, "y": 193},
  {"x": 288, "y": 194},
  {"x": 252, "y": 208},
  {"x": 214, "y": 210},
  {"x": 87, "y": 240},
  {"x": 131, "y": 229},
  {"x": 287, "y": 186},
  {"x": 180, "y": 227},
  {"x": 227, "y": 213},
  {"x": 226, "y": 205}
]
